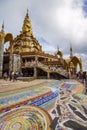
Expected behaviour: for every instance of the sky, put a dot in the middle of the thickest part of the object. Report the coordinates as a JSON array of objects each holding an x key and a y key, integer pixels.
[{"x": 55, "y": 23}]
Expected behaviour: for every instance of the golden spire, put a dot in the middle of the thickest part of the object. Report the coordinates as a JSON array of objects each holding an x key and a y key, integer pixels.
[
  {"x": 71, "y": 55},
  {"x": 27, "y": 11},
  {"x": 58, "y": 47},
  {"x": 26, "y": 25},
  {"x": 2, "y": 30}
]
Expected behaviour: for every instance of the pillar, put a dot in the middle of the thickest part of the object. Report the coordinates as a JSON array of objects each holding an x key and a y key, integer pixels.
[
  {"x": 16, "y": 63},
  {"x": 35, "y": 72},
  {"x": 1, "y": 52},
  {"x": 11, "y": 58},
  {"x": 36, "y": 59},
  {"x": 48, "y": 75}
]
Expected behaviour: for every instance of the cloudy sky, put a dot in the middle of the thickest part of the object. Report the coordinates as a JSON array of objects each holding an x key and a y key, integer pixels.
[{"x": 55, "y": 23}]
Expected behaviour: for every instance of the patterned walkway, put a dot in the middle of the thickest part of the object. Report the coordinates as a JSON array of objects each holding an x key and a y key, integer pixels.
[
  {"x": 70, "y": 111},
  {"x": 61, "y": 105},
  {"x": 26, "y": 118}
]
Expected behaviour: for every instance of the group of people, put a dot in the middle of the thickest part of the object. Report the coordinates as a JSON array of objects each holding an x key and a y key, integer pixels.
[{"x": 11, "y": 76}]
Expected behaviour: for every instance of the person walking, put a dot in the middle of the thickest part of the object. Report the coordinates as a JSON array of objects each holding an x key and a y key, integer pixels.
[
  {"x": 10, "y": 75},
  {"x": 13, "y": 75}
]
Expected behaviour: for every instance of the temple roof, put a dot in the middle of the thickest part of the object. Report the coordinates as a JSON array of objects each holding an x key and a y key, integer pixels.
[{"x": 25, "y": 41}]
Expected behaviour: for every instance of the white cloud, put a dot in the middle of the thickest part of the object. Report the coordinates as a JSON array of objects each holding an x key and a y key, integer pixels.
[
  {"x": 58, "y": 22},
  {"x": 72, "y": 22}
]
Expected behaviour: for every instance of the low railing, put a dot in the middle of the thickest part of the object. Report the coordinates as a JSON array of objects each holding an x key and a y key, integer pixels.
[
  {"x": 30, "y": 64},
  {"x": 42, "y": 66}
]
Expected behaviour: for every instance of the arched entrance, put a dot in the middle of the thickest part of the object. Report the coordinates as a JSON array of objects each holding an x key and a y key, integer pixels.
[
  {"x": 7, "y": 61},
  {"x": 76, "y": 62},
  {"x": 73, "y": 66},
  {"x": 6, "y": 58},
  {"x": 4, "y": 38}
]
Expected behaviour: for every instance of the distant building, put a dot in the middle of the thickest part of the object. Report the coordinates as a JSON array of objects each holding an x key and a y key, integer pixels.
[{"x": 25, "y": 55}]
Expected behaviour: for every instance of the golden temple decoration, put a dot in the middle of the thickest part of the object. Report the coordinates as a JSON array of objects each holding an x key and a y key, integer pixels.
[
  {"x": 25, "y": 41},
  {"x": 27, "y": 29}
]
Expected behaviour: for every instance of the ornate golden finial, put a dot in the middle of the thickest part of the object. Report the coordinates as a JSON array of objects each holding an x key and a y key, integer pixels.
[
  {"x": 27, "y": 13},
  {"x": 71, "y": 55},
  {"x": 2, "y": 30},
  {"x": 27, "y": 10},
  {"x": 57, "y": 48}
]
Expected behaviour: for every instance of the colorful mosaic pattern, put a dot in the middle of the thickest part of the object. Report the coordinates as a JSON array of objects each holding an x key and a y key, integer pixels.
[
  {"x": 70, "y": 111},
  {"x": 36, "y": 95},
  {"x": 26, "y": 118},
  {"x": 64, "y": 100}
]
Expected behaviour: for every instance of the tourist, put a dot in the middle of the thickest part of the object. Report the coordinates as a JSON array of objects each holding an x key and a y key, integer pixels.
[
  {"x": 84, "y": 76},
  {"x": 5, "y": 76},
  {"x": 13, "y": 75},
  {"x": 10, "y": 75}
]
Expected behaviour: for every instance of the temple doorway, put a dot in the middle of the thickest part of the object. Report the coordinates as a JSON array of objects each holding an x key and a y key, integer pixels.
[{"x": 28, "y": 72}]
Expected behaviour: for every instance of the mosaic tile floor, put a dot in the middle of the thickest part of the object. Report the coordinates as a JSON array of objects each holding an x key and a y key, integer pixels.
[
  {"x": 63, "y": 103},
  {"x": 70, "y": 111},
  {"x": 26, "y": 118}
]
